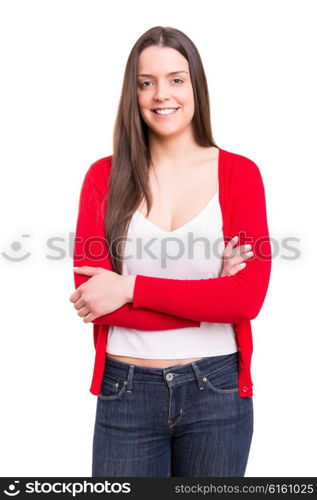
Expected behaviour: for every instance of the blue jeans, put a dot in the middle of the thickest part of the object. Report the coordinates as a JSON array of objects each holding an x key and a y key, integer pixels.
[{"x": 184, "y": 420}]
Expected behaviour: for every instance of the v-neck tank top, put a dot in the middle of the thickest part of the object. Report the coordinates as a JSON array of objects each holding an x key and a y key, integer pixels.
[{"x": 192, "y": 251}]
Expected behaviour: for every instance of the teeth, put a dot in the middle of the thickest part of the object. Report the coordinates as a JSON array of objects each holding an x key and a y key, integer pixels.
[{"x": 165, "y": 111}]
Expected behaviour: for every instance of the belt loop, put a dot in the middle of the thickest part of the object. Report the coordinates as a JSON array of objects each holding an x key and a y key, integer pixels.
[
  {"x": 198, "y": 376},
  {"x": 130, "y": 377}
]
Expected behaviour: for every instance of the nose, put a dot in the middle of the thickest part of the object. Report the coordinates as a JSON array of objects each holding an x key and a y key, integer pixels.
[{"x": 161, "y": 91}]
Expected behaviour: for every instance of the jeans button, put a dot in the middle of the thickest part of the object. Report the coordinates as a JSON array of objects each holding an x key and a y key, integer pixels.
[{"x": 169, "y": 376}]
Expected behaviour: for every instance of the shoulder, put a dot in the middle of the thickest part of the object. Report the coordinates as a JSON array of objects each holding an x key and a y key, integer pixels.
[
  {"x": 241, "y": 170},
  {"x": 100, "y": 168},
  {"x": 238, "y": 162},
  {"x": 98, "y": 173}
]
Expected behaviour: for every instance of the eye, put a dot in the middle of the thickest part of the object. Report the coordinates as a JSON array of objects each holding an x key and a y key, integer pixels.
[{"x": 143, "y": 84}]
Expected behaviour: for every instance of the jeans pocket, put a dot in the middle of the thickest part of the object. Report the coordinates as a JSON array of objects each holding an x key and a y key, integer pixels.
[
  {"x": 112, "y": 388},
  {"x": 224, "y": 379}
]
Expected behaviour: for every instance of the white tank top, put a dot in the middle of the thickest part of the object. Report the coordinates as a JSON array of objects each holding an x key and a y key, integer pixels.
[{"x": 193, "y": 251}]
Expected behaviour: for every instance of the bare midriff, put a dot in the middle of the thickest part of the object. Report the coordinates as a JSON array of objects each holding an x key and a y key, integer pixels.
[{"x": 151, "y": 363}]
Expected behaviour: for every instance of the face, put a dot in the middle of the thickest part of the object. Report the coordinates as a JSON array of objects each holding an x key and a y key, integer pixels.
[{"x": 164, "y": 82}]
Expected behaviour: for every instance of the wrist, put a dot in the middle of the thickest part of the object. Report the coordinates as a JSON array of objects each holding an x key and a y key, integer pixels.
[{"x": 129, "y": 282}]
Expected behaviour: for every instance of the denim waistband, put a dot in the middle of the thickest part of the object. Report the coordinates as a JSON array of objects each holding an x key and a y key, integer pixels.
[{"x": 172, "y": 374}]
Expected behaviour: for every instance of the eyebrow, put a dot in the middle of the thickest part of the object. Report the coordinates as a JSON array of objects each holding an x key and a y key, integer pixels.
[{"x": 170, "y": 73}]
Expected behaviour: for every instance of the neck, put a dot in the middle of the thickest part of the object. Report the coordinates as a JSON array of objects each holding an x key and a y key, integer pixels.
[{"x": 173, "y": 150}]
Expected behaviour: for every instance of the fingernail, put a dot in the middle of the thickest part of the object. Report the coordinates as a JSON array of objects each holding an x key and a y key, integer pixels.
[
  {"x": 243, "y": 264},
  {"x": 235, "y": 238},
  {"x": 248, "y": 246}
]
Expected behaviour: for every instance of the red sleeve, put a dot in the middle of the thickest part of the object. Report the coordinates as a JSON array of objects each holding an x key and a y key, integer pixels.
[
  {"x": 228, "y": 299},
  {"x": 90, "y": 249}
]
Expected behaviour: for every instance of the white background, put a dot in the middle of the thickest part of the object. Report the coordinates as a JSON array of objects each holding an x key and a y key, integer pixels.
[{"x": 62, "y": 65}]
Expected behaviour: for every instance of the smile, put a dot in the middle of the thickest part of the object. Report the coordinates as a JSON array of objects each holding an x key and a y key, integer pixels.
[{"x": 164, "y": 112}]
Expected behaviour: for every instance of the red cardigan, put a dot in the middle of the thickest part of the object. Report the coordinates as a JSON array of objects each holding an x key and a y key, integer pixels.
[{"x": 162, "y": 303}]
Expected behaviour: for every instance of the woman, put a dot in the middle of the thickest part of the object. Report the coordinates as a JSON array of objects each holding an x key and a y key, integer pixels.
[{"x": 171, "y": 322}]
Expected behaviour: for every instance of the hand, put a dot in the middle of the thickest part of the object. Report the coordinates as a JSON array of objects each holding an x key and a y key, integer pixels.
[
  {"x": 102, "y": 294},
  {"x": 234, "y": 257}
]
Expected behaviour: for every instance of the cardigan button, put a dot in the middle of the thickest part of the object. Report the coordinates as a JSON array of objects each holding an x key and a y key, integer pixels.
[
  {"x": 241, "y": 368},
  {"x": 244, "y": 388}
]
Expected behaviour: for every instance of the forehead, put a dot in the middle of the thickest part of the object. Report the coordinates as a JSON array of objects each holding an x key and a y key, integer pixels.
[{"x": 161, "y": 61}]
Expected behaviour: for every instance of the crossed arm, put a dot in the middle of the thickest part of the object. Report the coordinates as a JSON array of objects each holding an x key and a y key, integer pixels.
[{"x": 162, "y": 303}]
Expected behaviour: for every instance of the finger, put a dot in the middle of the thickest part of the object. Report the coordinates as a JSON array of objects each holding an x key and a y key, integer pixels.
[
  {"x": 241, "y": 266},
  {"x": 234, "y": 261},
  {"x": 83, "y": 311},
  {"x": 229, "y": 251},
  {"x": 242, "y": 251},
  {"x": 238, "y": 258},
  {"x": 79, "y": 303},
  {"x": 88, "y": 270},
  {"x": 244, "y": 248},
  {"x": 84, "y": 270},
  {"x": 78, "y": 269},
  {"x": 90, "y": 317},
  {"x": 248, "y": 255},
  {"x": 75, "y": 296},
  {"x": 231, "y": 243},
  {"x": 235, "y": 269}
]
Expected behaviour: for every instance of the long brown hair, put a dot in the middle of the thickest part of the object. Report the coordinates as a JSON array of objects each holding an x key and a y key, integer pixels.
[{"x": 131, "y": 157}]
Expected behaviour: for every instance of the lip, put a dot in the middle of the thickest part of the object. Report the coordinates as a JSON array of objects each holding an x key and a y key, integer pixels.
[{"x": 164, "y": 115}]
